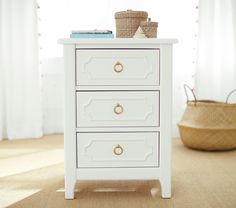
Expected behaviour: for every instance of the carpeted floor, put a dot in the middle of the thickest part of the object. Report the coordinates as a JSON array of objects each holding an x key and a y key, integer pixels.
[{"x": 31, "y": 176}]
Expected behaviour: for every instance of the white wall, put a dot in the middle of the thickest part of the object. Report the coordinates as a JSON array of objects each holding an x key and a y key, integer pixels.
[{"x": 177, "y": 19}]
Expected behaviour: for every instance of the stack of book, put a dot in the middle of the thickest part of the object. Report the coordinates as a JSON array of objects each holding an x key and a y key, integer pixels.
[{"x": 91, "y": 34}]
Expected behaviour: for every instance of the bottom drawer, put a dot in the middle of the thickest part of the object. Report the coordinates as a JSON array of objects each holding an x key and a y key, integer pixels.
[{"x": 118, "y": 149}]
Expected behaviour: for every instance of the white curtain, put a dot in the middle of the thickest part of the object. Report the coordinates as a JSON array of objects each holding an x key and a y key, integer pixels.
[
  {"x": 216, "y": 59},
  {"x": 20, "y": 105}
]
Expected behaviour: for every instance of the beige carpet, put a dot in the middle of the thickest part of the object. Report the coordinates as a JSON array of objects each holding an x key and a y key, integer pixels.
[{"x": 31, "y": 176}]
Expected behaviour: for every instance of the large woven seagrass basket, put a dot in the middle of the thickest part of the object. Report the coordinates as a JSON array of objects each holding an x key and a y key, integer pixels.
[
  {"x": 209, "y": 125},
  {"x": 127, "y": 22}
]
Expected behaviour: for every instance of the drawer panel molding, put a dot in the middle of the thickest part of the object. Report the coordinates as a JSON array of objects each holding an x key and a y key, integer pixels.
[
  {"x": 117, "y": 67},
  {"x": 104, "y": 109},
  {"x": 118, "y": 149}
]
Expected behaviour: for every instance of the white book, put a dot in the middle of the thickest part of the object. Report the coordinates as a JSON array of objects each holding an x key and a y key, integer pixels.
[{"x": 91, "y": 32}]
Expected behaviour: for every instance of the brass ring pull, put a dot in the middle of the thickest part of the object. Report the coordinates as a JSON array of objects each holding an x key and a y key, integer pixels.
[
  {"x": 118, "y": 67},
  {"x": 118, "y": 109},
  {"x": 118, "y": 150}
]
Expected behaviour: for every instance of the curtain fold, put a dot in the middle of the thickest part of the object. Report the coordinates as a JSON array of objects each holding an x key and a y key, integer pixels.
[
  {"x": 20, "y": 99},
  {"x": 216, "y": 58}
]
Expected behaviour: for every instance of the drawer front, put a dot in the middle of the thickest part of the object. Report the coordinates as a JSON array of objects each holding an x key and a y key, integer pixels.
[
  {"x": 117, "y": 67},
  {"x": 117, "y": 109},
  {"x": 118, "y": 149}
]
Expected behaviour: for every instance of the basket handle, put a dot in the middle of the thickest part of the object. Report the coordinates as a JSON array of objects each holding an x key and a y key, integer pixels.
[
  {"x": 227, "y": 99},
  {"x": 186, "y": 93}
]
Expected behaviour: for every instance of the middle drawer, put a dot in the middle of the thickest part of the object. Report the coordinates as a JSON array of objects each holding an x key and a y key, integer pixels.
[{"x": 117, "y": 109}]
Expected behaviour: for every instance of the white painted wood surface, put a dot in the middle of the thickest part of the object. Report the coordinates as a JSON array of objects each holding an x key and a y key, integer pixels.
[
  {"x": 118, "y": 149},
  {"x": 70, "y": 121},
  {"x": 117, "y": 42},
  {"x": 118, "y": 129},
  {"x": 144, "y": 173},
  {"x": 117, "y": 67},
  {"x": 109, "y": 109},
  {"x": 93, "y": 161}
]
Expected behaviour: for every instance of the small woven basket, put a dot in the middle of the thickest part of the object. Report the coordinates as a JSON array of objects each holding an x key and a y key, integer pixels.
[
  {"x": 149, "y": 28},
  {"x": 127, "y": 22},
  {"x": 209, "y": 125}
]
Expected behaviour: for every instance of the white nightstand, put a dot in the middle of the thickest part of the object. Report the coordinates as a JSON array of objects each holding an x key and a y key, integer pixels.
[{"x": 118, "y": 110}]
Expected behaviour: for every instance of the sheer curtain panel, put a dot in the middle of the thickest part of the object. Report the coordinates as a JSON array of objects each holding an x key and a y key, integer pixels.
[
  {"x": 20, "y": 105},
  {"x": 216, "y": 59}
]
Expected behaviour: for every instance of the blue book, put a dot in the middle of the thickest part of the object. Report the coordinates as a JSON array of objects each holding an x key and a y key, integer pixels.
[{"x": 91, "y": 35}]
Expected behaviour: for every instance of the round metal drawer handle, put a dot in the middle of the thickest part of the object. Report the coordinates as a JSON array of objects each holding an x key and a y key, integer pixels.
[
  {"x": 118, "y": 109},
  {"x": 118, "y": 67},
  {"x": 118, "y": 150}
]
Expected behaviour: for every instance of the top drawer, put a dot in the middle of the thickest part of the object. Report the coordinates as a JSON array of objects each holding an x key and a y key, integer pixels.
[{"x": 117, "y": 67}]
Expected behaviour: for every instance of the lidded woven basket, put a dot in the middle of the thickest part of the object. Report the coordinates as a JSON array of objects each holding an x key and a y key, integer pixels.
[
  {"x": 127, "y": 22},
  {"x": 149, "y": 28}
]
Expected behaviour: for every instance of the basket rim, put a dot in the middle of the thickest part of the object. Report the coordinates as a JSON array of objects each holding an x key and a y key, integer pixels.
[
  {"x": 206, "y": 129},
  {"x": 131, "y": 14},
  {"x": 210, "y": 103},
  {"x": 148, "y": 24}
]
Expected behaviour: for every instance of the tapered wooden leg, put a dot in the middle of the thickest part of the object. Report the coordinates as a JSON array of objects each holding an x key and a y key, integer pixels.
[
  {"x": 165, "y": 188},
  {"x": 70, "y": 189}
]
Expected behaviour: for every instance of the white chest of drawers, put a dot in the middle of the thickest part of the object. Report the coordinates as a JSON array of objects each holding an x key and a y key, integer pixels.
[{"x": 118, "y": 110}]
